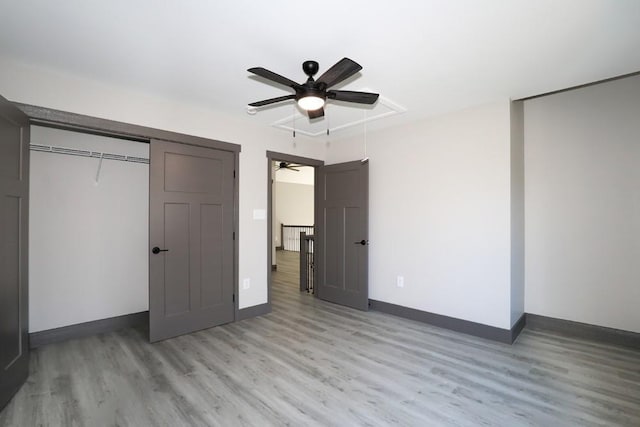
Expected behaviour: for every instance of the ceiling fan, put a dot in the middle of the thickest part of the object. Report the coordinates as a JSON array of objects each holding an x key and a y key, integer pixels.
[
  {"x": 290, "y": 166},
  {"x": 312, "y": 95}
]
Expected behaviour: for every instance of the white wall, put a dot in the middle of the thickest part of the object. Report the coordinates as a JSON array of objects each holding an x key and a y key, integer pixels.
[
  {"x": 440, "y": 196},
  {"x": 275, "y": 228},
  {"x": 87, "y": 241},
  {"x": 517, "y": 211},
  {"x": 440, "y": 213},
  {"x": 582, "y": 156},
  {"x": 48, "y": 88},
  {"x": 289, "y": 211},
  {"x": 294, "y": 205}
]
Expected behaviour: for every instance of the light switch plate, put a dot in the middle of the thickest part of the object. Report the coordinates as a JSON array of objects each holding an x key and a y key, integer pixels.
[{"x": 259, "y": 214}]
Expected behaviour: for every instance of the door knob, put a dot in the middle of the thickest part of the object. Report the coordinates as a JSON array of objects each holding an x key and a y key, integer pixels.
[
  {"x": 156, "y": 250},
  {"x": 361, "y": 242}
]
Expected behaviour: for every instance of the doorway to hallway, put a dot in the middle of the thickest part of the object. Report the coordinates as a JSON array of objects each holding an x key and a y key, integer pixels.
[
  {"x": 341, "y": 194},
  {"x": 293, "y": 219},
  {"x": 291, "y": 212}
]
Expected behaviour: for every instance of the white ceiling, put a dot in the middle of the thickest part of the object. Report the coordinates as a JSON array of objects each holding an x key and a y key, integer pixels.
[{"x": 429, "y": 56}]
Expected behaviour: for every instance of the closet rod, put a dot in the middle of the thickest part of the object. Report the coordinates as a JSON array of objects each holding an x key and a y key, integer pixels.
[{"x": 85, "y": 153}]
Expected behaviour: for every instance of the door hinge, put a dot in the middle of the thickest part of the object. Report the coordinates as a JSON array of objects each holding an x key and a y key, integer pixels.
[
  {"x": 234, "y": 173},
  {"x": 234, "y": 235},
  {"x": 234, "y": 297}
]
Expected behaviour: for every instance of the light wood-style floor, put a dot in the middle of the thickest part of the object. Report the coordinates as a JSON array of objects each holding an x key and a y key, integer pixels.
[{"x": 315, "y": 363}]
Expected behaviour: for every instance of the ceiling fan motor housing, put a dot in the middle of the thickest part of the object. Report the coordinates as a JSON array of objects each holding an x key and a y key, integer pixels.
[{"x": 310, "y": 68}]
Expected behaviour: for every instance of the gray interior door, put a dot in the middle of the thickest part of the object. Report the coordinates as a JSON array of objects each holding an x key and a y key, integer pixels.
[
  {"x": 342, "y": 235},
  {"x": 14, "y": 216},
  {"x": 191, "y": 253}
]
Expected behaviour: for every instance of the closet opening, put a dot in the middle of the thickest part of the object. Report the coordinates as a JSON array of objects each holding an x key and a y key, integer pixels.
[{"x": 88, "y": 228}]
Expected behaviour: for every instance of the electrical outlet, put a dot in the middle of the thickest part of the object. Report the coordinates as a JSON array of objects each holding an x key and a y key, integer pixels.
[
  {"x": 400, "y": 282},
  {"x": 246, "y": 284}
]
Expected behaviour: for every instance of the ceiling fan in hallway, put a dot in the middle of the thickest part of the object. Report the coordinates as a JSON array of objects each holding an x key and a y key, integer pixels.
[
  {"x": 312, "y": 95},
  {"x": 289, "y": 166}
]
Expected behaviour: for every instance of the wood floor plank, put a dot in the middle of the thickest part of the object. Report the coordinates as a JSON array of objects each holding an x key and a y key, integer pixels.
[{"x": 312, "y": 363}]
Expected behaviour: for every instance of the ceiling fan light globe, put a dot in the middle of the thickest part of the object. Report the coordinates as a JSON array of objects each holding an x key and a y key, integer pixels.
[{"x": 311, "y": 103}]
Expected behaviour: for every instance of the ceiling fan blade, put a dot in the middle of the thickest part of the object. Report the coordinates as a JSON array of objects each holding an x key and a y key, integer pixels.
[
  {"x": 342, "y": 70},
  {"x": 314, "y": 114},
  {"x": 292, "y": 169},
  {"x": 271, "y": 101},
  {"x": 351, "y": 96},
  {"x": 270, "y": 75}
]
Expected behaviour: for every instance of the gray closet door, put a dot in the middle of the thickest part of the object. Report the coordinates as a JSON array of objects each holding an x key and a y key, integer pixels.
[
  {"x": 191, "y": 228},
  {"x": 342, "y": 234},
  {"x": 14, "y": 216}
]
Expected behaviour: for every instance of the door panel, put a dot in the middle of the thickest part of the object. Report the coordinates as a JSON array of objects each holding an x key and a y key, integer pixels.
[
  {"x": 205, "y": 174},
  {"x": 14, "y": 215},
  {"x": 10, "y": 291},
  {"x": 353, "y": 233},
  {"x": 342, "y": 262},
  {"x": 333, "y": 255},
  {"x": 191, "y": 216},
  {"x": 211, "y": 230},
  {"x": 10, "y": 149},
  {"x": 176, "y": 263}
]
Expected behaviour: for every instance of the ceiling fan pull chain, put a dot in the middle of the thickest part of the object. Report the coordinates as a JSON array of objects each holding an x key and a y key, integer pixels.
[{"x": 328, "y": 126}]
